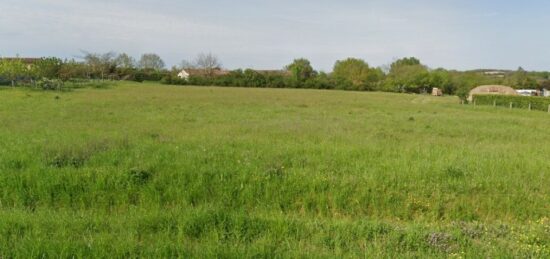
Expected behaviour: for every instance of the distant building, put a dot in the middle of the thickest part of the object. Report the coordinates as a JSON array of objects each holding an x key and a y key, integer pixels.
[
  {"x": 491, "y": 89},
  {"x": 188, "y": 72},
  {"x": 495, "y": 73},
  {"x": 437, "y": 92}
]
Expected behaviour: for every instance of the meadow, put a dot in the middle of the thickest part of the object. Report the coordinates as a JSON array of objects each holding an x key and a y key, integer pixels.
[{"x": 150, "y": 170}]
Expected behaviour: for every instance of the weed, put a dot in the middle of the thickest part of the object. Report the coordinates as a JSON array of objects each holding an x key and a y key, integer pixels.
[
  {"x": 454, "y": 172},
  {"x": 140, "y": 176}
]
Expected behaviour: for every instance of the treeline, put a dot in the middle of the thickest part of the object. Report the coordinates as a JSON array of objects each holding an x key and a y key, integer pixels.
[
  {"x": 53, "y": 73},
  {"x": 403, "y": 75}
]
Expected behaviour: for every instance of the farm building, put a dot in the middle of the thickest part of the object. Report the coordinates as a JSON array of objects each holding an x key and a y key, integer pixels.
[
  {"x": 186, "y": 73},
  {"x": 437, "y": 92},
  {"x": 492, "y": 89}
]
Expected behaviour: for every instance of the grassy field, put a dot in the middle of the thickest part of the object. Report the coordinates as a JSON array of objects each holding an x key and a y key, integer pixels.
[{"x": 160, "y": 171}]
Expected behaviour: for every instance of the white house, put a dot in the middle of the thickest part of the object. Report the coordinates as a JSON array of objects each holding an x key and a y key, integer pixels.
[{"x": 183, "y": 74}]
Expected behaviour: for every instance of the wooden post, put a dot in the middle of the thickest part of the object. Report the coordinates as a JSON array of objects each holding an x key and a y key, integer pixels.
[
  {"x": 510, "y": 105},
  {"x": 529, "y": 106},
  {"x": 494, "y": 103},
  {"x": 474, "y": 103},
  {"x": 548, "y": 108}
]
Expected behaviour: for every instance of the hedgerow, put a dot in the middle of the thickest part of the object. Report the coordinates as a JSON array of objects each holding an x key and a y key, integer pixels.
[{"x": 522, "y": 102}]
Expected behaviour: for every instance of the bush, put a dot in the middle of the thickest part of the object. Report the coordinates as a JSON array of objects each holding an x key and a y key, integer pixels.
[
  {"x": 49, "y": 84},
  {"x": 139, "y": 77},
  {"x": 537, "y": 103},
  {"x": 173, "y": 80}
]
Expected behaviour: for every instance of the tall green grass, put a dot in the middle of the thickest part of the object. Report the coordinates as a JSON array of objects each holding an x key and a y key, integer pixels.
[{"x": 157, "y": 171}]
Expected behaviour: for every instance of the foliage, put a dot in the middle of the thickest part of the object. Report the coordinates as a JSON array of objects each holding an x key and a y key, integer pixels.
[
  {"x": 72, "y": 69},
  {"x": 409, "y": 78},
  {"x": 357, "y": 73},
  {"x": 404, "y": 62},
  {"x": 49, "y": 84},
  {"x": 301, "y": 70},
  {"x": 46, "y": 67},
  {"x": 520, "y": 79},
  {"x": 441, "y": 78},
  {"x": 13, "y": 69},
  {"x": 404, "y": 75}
]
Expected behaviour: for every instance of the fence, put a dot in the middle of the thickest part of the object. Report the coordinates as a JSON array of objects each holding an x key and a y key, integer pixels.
[{"x": 511, "y": 101}]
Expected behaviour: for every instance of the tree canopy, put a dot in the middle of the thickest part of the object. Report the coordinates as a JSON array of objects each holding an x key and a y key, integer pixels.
[
  {"x": 301, "y": 69},
  {"x": 357, "y": 73}
]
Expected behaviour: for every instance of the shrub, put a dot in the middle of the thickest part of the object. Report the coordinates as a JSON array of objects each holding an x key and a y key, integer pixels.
[
  {"x": 173, "y": 80},
  {"x": 140, "y": 176},
  {"x": 49, "y": 84},
  {"x": 139, "y": 77}
]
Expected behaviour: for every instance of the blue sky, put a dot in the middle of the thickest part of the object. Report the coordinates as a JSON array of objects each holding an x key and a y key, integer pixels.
[{"x": 269, "y": 34}]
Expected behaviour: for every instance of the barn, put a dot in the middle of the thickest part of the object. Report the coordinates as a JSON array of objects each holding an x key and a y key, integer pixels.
[{"x": 492, "y": 89}]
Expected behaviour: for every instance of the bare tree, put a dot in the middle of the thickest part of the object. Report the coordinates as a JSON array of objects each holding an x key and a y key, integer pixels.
[
  {"x": 151, "y": 61},
  {"x": 123, "y": 60},
  {"x": 208, "y": 62},
  {"x": 99, "y": 64},
  {"x": 186, "y": 64}
]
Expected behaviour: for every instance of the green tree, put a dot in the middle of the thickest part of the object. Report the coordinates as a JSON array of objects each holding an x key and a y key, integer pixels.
[
  {"x": 357, "y": 73},
  {"x": 301, "y": 70},
  {"x": 521, "y": 79},
  {"x": 441, "y": 79},
  {"x": 71, "y": 69},
  {"x": 408, "y": 75},
  {"x": 12, "y": 69},
  {"x": 253, "y": 78},
  {"x": 411, "y": 61},
  {"x": 46, "y": 67}
]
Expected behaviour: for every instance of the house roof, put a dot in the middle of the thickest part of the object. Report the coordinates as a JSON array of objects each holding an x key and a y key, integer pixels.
[
  {"x": 201, "y": 72},
  {"x": 274, "y": 72},
  {"x": 24, "y": 60}
]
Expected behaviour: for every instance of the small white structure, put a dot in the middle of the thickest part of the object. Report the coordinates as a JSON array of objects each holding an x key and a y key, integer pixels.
[
  {"x": 183, "y": 74},
  {"x": 528, "y": 92},
  {"x": 545, "y": 92}
]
